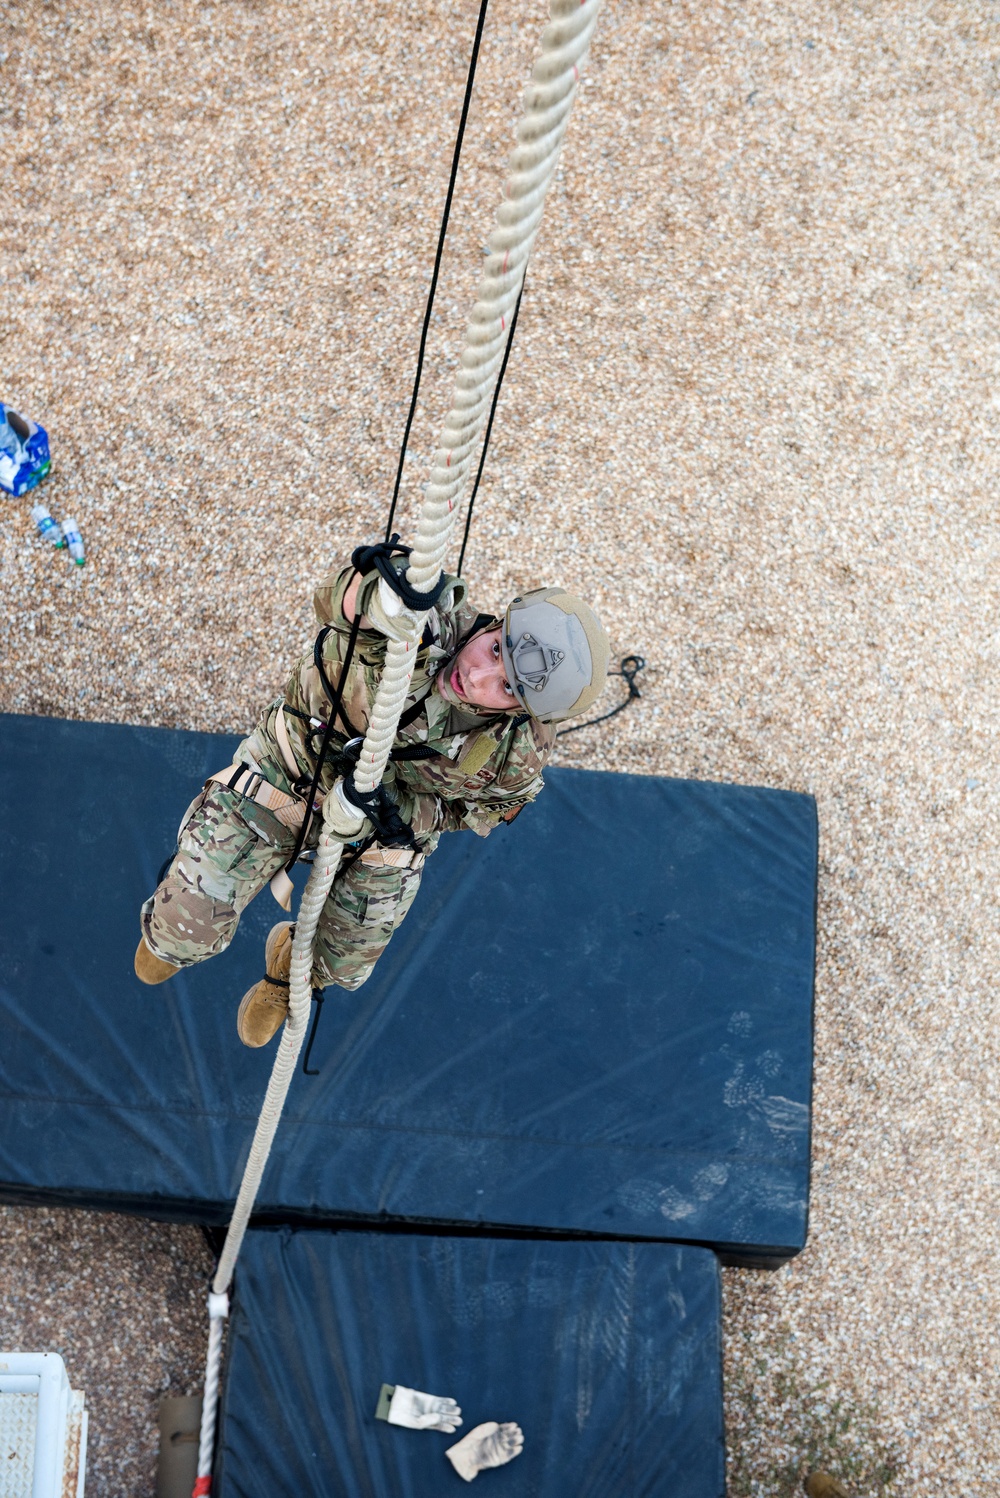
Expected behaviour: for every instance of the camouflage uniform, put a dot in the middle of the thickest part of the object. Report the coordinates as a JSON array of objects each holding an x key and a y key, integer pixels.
[{"x": 486, "y": 766}]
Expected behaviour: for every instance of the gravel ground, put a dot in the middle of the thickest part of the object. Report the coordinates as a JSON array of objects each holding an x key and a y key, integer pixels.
[{"x": 751, "y": 413}]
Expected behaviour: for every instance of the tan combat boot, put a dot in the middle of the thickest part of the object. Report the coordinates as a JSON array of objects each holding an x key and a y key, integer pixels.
[
  {"x": 149, "y": 968},
  {"x": 264, "y": 1009},
  {"x": 822, "y": 1485}
]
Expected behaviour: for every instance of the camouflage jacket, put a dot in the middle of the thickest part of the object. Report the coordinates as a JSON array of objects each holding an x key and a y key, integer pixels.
[{"x": 434, "y": 794}]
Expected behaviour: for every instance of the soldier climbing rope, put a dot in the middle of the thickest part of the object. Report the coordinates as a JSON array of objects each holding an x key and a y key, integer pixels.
[{"x": 404, "y": 592}]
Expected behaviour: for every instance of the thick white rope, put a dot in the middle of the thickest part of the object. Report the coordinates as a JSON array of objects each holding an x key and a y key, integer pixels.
[
  {"x": 321, "y": 879},
  {"x": 548, "y": 99},
  {"x": 300, "y": 991},
  {"x": 218, "y": 1310}
]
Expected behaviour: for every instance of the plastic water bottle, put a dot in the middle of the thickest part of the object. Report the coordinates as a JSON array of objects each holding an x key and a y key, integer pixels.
[
  {"x": 74, "y": 541},
  {"x": 47, "y": 526},
  {"x": 24, "y": 452}
]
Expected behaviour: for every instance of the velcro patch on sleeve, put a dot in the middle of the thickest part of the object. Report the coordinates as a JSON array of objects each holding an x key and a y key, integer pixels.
[{"x": 479, "y": 748}]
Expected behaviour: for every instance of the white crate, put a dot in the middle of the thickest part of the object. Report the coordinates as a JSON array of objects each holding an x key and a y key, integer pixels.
[{"x": 43, "y": 1428}]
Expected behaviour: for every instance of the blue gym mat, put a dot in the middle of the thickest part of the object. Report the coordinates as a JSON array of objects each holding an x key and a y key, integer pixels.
[
  {"x": 598, "y": 1020},
  {"x": 606, "y": 1354}
]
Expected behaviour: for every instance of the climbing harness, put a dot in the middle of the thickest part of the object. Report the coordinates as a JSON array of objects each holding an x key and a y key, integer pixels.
[
  {"x": 281, "y": 884},
  {"x": 548, "y": 99},
  {"x": 249, "y": 780}
]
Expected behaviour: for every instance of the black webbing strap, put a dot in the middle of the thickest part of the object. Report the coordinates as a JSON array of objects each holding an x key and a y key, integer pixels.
[
  {"x": 414, "y": 751},
  {"x": 410, "y": 716},
  {"x": 335, "y": 696},
  {"x": 413, "y": 711}
]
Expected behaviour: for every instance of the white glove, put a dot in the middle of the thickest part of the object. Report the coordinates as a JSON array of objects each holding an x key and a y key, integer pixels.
[
  {"x": 487, "y": 1445},
  {"x": 423, "y": 1411},
  {"x": 342, "y": 817},
  {"x": 390, "y": 616}
]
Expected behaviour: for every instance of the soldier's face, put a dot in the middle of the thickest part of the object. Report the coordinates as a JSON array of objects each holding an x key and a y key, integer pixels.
[{"x": 477, "y": 674}]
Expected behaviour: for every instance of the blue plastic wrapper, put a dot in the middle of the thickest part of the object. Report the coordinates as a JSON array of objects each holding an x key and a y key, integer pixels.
[{"x": 24, "y": 452}]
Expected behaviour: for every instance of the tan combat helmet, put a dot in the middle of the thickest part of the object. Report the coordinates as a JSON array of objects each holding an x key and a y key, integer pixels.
[{"x": 555, "y": 653}]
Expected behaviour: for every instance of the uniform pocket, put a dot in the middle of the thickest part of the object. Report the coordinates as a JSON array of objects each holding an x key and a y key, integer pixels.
[
  {"x": 383, "y": 888},
  {"x": 265, "y": 825},
  {"x": 370, "y": 898},
  {"x": 216, "y": 831}
]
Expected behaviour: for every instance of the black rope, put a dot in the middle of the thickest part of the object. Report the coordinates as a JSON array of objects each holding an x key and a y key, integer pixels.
[
  {"x": 364, "y": 558},
  {"x": 437, "y": 261},
  {"x": 390, "y": 540},
  {"x": 327, "y": 735},
  {"x": 347, "y": 861},
  {"x": 317, "y": 996},
  {"x": 382, "y": 812},
  {"x": 489, "y": 427},
  {"x": 630, "y": 668}
]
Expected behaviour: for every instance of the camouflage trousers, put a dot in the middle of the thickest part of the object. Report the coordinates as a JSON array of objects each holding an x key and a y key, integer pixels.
[{"x": 227, "y": 851}]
